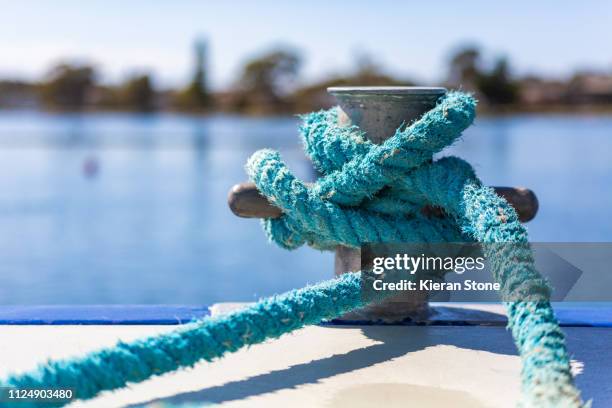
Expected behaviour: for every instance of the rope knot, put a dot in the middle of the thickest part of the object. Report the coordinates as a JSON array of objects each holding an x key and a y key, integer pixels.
[{"x": 368, "y": 192}]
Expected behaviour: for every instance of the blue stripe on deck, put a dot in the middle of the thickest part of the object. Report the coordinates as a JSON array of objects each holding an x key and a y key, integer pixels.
[
  {"x": 101, "y": 314},
  {"x": 444, "y": 315},
  {"x": 583, "y": 316},
  {"x": 453, "y": 315}
]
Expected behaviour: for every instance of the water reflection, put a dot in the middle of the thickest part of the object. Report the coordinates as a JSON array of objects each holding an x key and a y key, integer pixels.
[{"x": 119, "y": 208}]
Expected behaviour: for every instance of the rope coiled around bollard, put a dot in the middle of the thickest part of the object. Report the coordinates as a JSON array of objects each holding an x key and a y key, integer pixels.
[{"x": 368, "y": 193}]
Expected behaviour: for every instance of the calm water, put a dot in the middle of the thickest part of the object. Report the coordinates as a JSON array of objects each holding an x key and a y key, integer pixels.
[{"x": 120, "y": 208}]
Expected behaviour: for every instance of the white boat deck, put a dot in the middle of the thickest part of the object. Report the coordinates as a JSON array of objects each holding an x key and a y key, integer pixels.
[{"x": 330, "y": 366}]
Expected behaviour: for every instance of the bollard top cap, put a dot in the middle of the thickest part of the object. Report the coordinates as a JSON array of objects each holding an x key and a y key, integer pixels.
[{"x": 386, "y": 90}]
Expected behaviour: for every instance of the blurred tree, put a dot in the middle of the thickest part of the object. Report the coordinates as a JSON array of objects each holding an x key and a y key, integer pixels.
[
  {"x": 17, "y": 94},
  {"x": 497, "y": 85},
  {"x": 464, "y": 68},
  {"x": 367, "y": 73},
  {"x": 196, "y": 95},
  {"x": 265, "y": 83},
  {"x": 271, "y": 74},
  {"x": 494, "y": 86},
  {"x": 137, "y": 93},
  {"x": 67, "y": 86}
]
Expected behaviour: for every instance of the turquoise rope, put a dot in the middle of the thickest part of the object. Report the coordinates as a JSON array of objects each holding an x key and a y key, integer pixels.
[
  {"x": 368, "y": 193},
  {"x": 207, "y": 339}
]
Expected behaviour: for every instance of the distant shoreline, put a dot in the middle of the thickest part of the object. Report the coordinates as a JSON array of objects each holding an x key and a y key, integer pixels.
[{"x": 509, "y": 111}]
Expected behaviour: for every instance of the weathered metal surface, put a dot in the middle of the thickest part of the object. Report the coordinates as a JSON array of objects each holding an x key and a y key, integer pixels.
[
  {"x": 522, "y": 199},
  {"x": 379, "y": 111},
  {"x": 246, "y": 201}
]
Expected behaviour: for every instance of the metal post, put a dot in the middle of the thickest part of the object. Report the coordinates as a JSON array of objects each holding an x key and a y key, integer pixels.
[{"x": 379, "y": 111}]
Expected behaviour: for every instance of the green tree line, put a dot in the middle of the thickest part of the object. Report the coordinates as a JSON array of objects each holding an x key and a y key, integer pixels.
[{"x": 268, "y": 83}]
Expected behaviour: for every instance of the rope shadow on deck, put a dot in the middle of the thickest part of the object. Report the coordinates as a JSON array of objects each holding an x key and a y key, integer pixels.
[{"x": 393, "y": 345}]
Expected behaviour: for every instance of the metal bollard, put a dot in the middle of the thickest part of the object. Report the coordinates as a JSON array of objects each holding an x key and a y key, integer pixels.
[{"x": 378, "y": 111}]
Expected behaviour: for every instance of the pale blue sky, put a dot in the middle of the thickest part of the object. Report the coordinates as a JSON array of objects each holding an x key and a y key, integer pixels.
[{"x": 412, "y": 39}]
